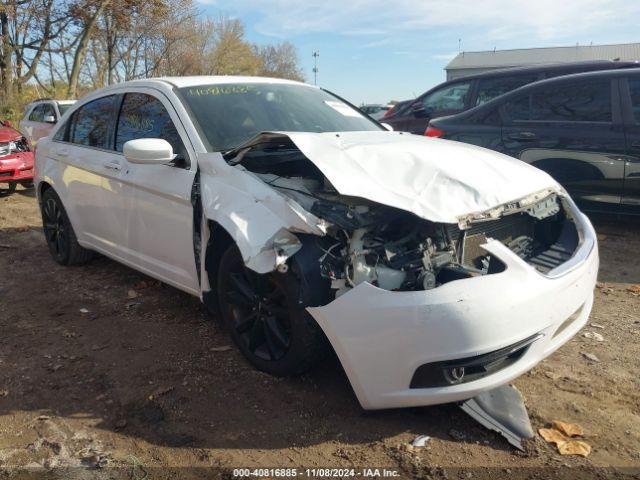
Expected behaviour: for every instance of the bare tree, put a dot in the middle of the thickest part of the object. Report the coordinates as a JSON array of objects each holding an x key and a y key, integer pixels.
[{"x": 280, "y": 61}]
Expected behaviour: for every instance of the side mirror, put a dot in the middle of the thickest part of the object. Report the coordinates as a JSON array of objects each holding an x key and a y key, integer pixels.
[
  {"x": 387, "y": 126},
  {"x": 148, "y": 151},
  {"x": 49, "y": 119}
]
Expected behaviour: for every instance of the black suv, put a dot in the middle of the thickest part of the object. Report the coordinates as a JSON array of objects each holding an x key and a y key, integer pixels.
[
  {"x": 583, "y": 129},
  {"x": 462, "y": 94}
]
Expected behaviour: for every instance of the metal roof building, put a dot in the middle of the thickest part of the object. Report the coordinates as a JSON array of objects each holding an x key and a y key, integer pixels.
[{"x": 468, "y": 63}]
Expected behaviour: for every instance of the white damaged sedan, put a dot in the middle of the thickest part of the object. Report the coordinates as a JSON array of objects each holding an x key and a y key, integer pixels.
[{"x": 435, "y": 270}]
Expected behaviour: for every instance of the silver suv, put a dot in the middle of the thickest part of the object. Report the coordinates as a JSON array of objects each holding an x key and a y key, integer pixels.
[{"x": 40, "y": 117}]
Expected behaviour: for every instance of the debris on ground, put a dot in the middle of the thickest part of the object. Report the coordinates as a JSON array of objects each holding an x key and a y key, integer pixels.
[
  {"x": 590, "y": 356},
  {"x": 421, "y": 441},
  {"x": 561, "y": 434},
  {"x": 635, "y": 289},
  {"x": 132, "y": 294},
  {"x": 593, "y": 336},
  {"x": 604, "y": 288},
  {"x": 502, "y": 410},
  {"x": 4, "y": 393},
  {"x": 223, "y": 348},
  {"x": 601, "y": 237},
  {"x": 160, "y": 391},
  {"x": 597, "y": 325},
  {"x": 84, "y": 310}
]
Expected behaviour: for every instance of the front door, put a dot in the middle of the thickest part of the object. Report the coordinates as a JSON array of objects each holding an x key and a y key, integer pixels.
[{"x": 154, "y": 201}]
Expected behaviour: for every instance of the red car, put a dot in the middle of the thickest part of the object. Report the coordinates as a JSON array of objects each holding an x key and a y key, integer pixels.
[{"x": 16, "y": 158}]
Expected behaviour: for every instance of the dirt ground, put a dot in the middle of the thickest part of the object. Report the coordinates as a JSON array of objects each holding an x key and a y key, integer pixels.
[{"x": 105, "y": 372}]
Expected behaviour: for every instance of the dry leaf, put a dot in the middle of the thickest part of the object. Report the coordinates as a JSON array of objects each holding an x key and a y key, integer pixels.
[
  {"x": 634, "y": 289},
  {"x": 574, "y": 447},
  {"x": 553, "y": 436},
  {"x": 132, "y": 294},
  {"x": 569, "y": 429}
]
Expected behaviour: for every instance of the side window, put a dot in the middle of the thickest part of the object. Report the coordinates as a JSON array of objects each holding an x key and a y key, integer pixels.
[
  {"x": 518, "y": 108},
  {"x": 451, "y": 97},
  {"x": 90, "y": 123},
  {"x": 37, "y": 114},
  {"x": 48, "y": 111},
  {"x": 573, "y": 102},
  {"x": 61, "y": 134},
  {"x": 490, "y": 88},
  {"x": 144, "y": 116},
  {"x": 634, "y": 89}
]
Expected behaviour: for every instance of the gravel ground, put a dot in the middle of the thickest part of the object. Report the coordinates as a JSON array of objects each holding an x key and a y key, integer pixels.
[{"x": 106, "y": 373}]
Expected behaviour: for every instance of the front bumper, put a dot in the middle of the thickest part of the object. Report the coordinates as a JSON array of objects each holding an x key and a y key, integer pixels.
[
  {"x": 383, "y": 337},
  {"x": 17, "y": 167}
]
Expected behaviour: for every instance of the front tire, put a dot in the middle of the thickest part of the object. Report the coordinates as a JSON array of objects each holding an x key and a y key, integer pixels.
[
  {"x": 61, "y": 239},
  {"x": 264, "y": 319}
]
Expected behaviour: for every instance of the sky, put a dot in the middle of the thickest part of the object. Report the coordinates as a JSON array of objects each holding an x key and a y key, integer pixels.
[{"x": 373, "y": 51}]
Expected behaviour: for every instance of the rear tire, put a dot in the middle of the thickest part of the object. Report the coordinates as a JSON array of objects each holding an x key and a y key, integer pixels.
[
  {"x": 61, "y": 239},
  {"x": 264, "y": 319}
]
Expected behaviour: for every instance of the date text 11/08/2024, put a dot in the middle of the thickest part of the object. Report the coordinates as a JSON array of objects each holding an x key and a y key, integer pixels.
[{"x": 315, "y": 472}]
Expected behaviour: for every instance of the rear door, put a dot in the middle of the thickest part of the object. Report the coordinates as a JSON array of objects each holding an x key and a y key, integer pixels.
[
  {"x": 84, "y": 149},
  {"x": 572, "y": 130},
  {"x": 630, "y": 96}
]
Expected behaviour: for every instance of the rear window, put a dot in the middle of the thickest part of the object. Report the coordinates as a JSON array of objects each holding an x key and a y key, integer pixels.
[
  {"x": 573, "y": 102},
  {"x": 490, "y": 88}
]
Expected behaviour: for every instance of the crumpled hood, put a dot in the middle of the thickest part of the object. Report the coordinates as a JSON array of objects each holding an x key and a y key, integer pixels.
[{"x": 438, "y": 180}]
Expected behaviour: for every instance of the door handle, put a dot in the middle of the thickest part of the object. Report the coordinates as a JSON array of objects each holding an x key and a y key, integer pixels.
[
  {"x": 523, "y": 136},
  {"x": 113, "y": 166},
  {"x": 63, "y": 152}
]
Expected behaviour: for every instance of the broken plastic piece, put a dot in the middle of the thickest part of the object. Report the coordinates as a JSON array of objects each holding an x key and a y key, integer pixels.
[
  {"x": 421, "y": 441},
  {"x": 502, "y": 410}
]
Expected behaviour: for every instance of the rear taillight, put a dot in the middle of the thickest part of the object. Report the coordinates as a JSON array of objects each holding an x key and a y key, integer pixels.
[{"x": 433, "y": 132}]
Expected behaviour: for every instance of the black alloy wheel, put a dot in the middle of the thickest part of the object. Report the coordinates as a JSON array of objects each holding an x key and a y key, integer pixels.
[{"x": 261, "y": 313}]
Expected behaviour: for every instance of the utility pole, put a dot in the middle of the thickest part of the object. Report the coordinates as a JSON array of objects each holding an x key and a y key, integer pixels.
[{"x": 315, "y": 56}]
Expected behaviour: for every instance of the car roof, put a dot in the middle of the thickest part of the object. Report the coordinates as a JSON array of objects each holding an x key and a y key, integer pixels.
[
  {"x": 168, "y": 83},
  {"x": 197, "y": 80},
  {"x": 542, "y": 83},
  {"x": 549, "y": 67}
]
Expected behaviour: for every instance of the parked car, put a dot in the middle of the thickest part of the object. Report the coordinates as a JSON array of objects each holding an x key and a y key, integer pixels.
[
  {"x": 396, "y": 107},
  {"x": 435, "y": 270},
  {"x": 16, "y": 158},
  {"x": 461, "y": 94},
  {"x": 375, "y": 111},
  {"x": 584, "y": 130},
  {"x": 40, "y": 117}
]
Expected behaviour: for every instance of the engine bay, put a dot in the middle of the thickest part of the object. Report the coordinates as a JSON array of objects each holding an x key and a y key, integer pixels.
[{"x": 396, "y": 250}]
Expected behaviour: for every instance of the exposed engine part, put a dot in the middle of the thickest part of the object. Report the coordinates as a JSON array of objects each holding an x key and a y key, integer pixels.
[{"x": 396, "y": 250}]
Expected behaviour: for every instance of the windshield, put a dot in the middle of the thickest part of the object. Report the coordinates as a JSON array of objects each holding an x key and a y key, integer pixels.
[
  {"x": 228, "y": 115},
  {"x": 63, "y": 107}
]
